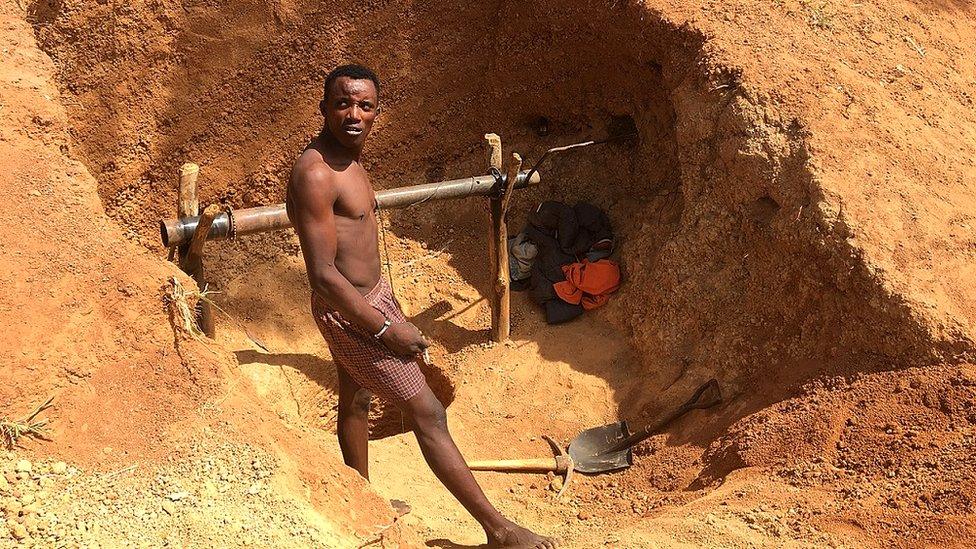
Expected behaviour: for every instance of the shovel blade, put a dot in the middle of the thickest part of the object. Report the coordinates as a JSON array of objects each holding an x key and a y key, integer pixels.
[{"x": 588, "y": 450}]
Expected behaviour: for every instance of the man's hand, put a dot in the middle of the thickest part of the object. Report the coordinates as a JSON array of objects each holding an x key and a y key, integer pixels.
[{"x": 404, "y": 339}]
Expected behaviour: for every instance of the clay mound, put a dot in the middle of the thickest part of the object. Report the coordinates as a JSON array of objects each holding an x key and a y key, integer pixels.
[
  {"x": 88, "y": 323},
  {"x": 794, "y": 219}
]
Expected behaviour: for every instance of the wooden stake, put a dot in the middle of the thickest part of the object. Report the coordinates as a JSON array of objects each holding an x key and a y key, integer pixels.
[
  {"x": 514, "y": 167},
  {"x": 192, "y": 265},
  {"x": 190, "y": 255},
  {"x": 493, "y": 150},
  {"x": 187, "y": 204},
  {"x": 503, "y": 295}
]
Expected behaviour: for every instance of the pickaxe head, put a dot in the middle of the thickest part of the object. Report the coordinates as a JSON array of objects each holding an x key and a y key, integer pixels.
[{"x": 564, "y": 464}]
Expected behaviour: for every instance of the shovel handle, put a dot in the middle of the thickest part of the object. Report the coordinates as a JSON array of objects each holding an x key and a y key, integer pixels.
[
  {"x": 709, "y": 389},
  {"x": 648, "y": 430},
  {"x": 533, "y": 465}
]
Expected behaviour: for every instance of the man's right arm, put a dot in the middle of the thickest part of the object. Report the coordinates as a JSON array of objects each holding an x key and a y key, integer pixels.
[
  {"x": 311, "y": 208},
  {"x": 312, "y": 196}
]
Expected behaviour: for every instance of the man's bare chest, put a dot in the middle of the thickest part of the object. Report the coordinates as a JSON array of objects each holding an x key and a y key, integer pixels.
[{"x": 356, "y": 202}]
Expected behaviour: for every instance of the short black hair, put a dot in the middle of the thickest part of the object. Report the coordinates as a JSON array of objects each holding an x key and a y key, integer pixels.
[{"x": 356, "y": 72}]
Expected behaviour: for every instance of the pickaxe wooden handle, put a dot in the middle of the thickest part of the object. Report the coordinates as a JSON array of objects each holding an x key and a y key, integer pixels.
[
  {"x": 557, "y": 464},
  {"x": 561, "y": 464}
]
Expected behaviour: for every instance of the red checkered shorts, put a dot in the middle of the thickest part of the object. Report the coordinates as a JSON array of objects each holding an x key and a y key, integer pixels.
[{"x": 365, "y": 358}]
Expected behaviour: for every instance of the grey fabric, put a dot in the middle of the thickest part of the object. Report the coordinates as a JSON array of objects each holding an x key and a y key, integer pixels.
[
  {"x": 521, "y": 255},
  {"x": 602, "y": 249},
  {"x": 596, "y": 255}
]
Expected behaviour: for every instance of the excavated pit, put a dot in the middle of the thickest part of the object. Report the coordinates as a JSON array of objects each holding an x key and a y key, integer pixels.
[
  {"x": 730, "y": 268},
  {"x": 735, "y": 268}
]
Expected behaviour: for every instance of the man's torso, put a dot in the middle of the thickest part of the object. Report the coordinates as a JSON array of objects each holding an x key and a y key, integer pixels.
[{"x": 357, "y": 250}]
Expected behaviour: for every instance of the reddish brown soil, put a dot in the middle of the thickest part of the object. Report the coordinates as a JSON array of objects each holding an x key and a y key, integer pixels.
[{"x": 794, "y": 221}]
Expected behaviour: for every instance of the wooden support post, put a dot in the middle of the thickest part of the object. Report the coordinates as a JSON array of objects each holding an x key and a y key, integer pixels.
[
  {"x": 187, "y": 204},
  {"x": 190, "y": 255},
  {"x": 493, "y": 148},
  {"x": 493, "y": 145},
  {"x": 192, "y": 265},
  {"x": 514, "y": 167},
  {"x": 502, "y": 288}
]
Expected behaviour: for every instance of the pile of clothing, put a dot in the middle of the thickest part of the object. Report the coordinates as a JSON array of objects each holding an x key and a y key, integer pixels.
[{"x": 562, "y": 258}]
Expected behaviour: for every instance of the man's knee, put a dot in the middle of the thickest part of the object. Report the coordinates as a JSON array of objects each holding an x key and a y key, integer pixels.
[
  {"x": 430, "y": 413},
  {"x": 357, "y": 406}
]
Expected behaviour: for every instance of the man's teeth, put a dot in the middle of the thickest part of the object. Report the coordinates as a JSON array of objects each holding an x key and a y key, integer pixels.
[{"x": 354, "y": 131}]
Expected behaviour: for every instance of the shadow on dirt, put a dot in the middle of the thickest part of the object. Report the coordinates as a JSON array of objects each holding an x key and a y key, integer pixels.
[
  {"x": 448, "y": 334},
  {"x": 385, "y": 420},
  {"x": 448, "y": 544}
]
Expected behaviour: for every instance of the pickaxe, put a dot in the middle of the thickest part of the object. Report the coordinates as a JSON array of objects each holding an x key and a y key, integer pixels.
[{"x": 561, "y": 464}]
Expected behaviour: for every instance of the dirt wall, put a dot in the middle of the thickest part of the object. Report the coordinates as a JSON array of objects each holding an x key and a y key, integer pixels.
[{"x": 794, "y": 219}]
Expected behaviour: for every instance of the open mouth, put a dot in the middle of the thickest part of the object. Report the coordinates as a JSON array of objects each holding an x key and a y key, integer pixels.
[{"x": 352, "y": 131}]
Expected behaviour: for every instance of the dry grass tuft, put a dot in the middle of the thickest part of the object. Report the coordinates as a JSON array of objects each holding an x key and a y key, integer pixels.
[
  {"x": 818, "y": 15},
  {"x": 182, "y": 303},
  {"x": 30, "y": 426}
]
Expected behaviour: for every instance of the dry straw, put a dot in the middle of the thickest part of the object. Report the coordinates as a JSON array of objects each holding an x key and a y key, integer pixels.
[
  {"x": 182, "y": 307},
  {"x": 12, "y": 430}
]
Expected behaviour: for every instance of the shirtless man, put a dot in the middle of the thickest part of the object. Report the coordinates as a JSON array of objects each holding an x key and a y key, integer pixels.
[{"x": 331, "y": 204}]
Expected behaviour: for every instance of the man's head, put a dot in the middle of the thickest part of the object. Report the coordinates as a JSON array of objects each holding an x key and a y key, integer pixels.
[{"x": 350, "y": 102}]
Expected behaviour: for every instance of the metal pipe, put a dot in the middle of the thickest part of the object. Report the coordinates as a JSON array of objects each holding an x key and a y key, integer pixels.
[{"x": 269, "y": 218}]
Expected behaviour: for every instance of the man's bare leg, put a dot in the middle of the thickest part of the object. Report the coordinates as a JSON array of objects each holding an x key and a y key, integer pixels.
[
  {"x": 430, "y": 427},
  {"x": 353, "y": 423}
]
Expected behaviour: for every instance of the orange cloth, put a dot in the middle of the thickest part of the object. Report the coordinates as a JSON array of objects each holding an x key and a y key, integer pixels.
[{"x": 589, "y": 284}]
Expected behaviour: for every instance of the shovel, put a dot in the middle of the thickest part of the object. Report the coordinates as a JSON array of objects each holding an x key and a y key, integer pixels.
[
  {"x": 608, "y": 448},
  {"x": 600, "y": 449}
]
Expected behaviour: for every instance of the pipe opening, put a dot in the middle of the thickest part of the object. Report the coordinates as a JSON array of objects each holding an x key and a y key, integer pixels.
[{"x": 163, "y": 233}]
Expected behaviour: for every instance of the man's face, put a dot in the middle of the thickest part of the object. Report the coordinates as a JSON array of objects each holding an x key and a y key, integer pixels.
[{"x": 349, "y": 110}]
